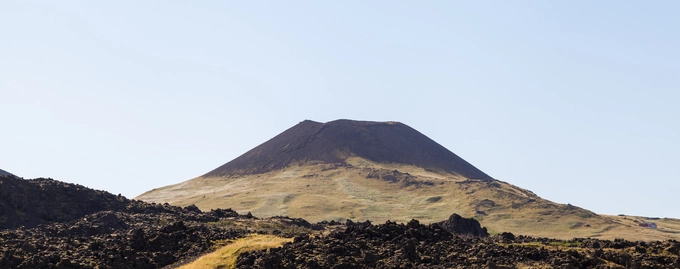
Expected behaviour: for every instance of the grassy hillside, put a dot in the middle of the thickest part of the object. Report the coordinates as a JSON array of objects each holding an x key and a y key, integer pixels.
[{"x": 362, "y": 190}]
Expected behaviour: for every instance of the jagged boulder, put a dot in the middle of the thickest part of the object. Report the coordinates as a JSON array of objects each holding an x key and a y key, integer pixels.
[{"x": 459, "y": 225}]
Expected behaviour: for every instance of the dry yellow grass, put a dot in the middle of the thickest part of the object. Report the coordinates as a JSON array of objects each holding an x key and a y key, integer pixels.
[
  {"x": 225, "y": 257},
  {"x": 326, "y": 192}
]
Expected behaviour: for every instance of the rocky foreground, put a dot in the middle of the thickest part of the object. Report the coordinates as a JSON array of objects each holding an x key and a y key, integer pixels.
[
  {"x": 50, "y": 224},
  {"x": 46, "y": 223},
  {"x": 414, "y": 245},
  {"x": 140, "y": 236}
]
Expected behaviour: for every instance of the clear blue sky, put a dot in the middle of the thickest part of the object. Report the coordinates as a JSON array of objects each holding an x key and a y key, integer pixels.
[{"x": 578, "y": 101}]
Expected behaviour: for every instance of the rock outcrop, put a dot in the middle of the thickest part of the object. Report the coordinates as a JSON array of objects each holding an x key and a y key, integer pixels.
[{"x": 459, "y": 225}]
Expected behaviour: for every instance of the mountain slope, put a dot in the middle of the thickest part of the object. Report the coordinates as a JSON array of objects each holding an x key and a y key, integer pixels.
[
  {"x": 334, "y": 142},
  {"x": 385, "y": 171},
  {"x": 37, "y": 201}
]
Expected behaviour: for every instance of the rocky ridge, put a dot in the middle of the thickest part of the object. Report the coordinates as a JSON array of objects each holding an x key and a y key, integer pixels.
[{"x": 32, "y": 202}]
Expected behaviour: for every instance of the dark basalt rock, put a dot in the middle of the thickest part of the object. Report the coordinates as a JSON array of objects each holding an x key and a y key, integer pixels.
[
  {"x": 32, "y": 202},
  {"x": 414, "y": 245},
  {"x": 51, "y": 224},
  {"x": 139, "y": 236},
  {"x": 459, "y": 225}
]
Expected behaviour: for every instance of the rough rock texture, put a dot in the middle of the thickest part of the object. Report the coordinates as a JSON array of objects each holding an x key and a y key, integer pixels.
[
  {"x": 333, "y": 142},
  {"x": 62, "y": 225},
  {"x": 459, "y": 225},
  {"x": 413, "y": 245},
  {"x": 4, "y": 173},
  {"x": 37, "y": 201},
  {"x": 141, "y": 235}
]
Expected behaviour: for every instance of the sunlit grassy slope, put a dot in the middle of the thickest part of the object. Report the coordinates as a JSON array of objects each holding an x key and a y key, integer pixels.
[
  {"x": 225, "y": 257},
  {"x": 378, "y": 192}
]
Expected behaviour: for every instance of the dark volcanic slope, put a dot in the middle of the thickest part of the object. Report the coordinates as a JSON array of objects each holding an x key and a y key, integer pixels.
[
  {"x": 4, "y": 173},
  {"x": 37, "y": 201},
  {"x": 333, "y": 142}
]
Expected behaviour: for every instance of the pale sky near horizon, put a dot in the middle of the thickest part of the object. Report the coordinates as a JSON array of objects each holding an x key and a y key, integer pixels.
[{"x": 576, "y": 101}]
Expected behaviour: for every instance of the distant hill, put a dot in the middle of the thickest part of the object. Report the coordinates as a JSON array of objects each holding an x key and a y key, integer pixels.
[
  {"x": 380, "y": 171},
  {"x": 335, "y": 141}
]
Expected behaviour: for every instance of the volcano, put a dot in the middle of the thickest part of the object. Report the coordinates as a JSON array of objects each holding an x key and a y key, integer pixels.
[
  {"x": 336, "y": 141},
  {"x": 378, "y": 171}
]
